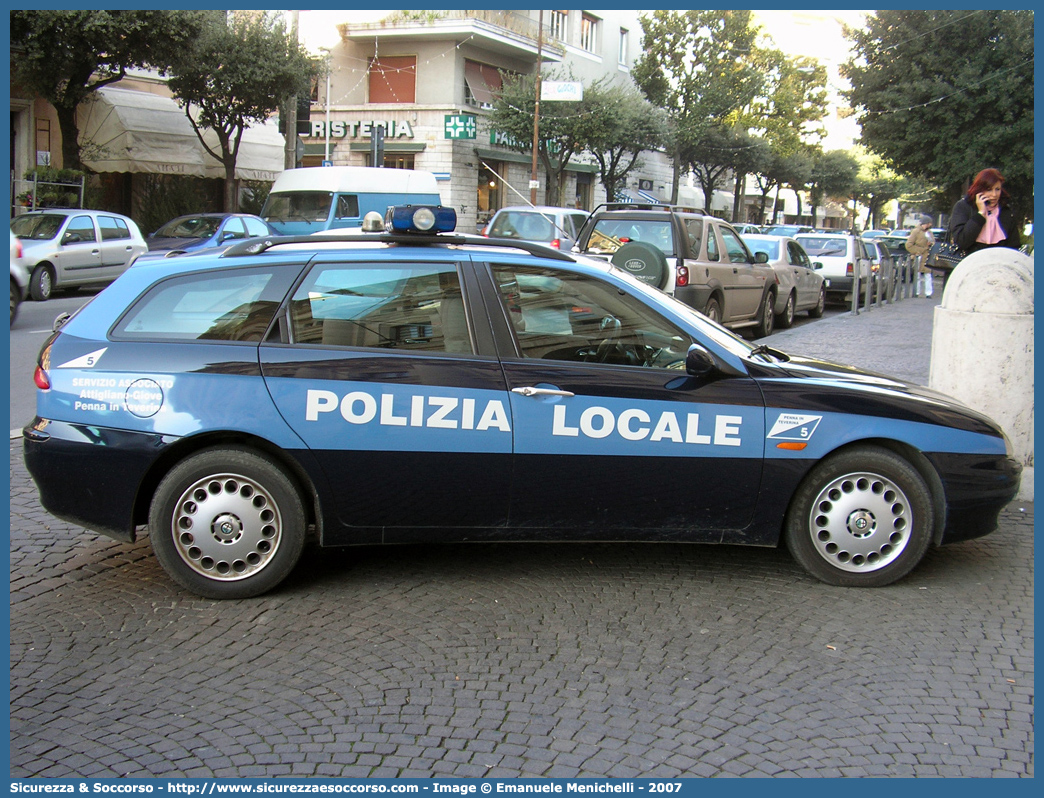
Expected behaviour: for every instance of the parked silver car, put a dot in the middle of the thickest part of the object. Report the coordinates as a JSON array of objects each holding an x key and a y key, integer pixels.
[
  {"x": 800, "y": 283},
  {"x": 69, "y": 248},
  {"x": 544, "y": 224}
]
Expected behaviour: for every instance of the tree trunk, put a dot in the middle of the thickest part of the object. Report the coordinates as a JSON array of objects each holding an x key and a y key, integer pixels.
[
  {"x": 737, "y": 197},
  {"x": 70, "y": 144},
  {"x": 231, "y": 200}
]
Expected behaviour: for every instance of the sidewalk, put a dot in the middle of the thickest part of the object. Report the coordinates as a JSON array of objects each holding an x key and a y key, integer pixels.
[{"x": 894, "y": 339}]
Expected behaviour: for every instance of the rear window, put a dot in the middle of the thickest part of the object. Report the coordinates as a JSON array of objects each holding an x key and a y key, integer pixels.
[
  {"x": 610, "y": 234},
  {"x": 524, "y": 225},
  {"x": 229, "y": 306},
  {"x": 824, "y": 247}
]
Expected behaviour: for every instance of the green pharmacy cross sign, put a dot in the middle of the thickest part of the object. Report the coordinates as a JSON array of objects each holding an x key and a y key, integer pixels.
[{"x": 460, "y": 126}]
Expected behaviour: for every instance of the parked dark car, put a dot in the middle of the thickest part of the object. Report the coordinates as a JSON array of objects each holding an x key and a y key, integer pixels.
[{"x": 202, "y": 230}]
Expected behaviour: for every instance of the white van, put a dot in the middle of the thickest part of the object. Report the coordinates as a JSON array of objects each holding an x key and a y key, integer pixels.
[{"x": 305, "y": 201}]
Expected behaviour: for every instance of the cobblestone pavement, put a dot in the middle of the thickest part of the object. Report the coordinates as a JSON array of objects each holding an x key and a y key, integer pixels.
[{"x": 517, "y": 660}]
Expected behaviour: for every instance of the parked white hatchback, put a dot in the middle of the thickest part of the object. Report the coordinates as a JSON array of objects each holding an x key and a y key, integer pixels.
[
  {"x": 69, "y": 248},
  {"x": 843, "y": 256}
]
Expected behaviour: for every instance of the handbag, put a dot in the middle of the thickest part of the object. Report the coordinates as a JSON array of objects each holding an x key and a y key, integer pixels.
[{"x": 945, "y": 255}]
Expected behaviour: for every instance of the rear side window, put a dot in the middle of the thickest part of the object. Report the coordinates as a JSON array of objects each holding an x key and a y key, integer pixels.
[
  {"x": 227, "y": 306},
  {"x": 416, "y": 307},
  {"x": 112, "y": 228}
]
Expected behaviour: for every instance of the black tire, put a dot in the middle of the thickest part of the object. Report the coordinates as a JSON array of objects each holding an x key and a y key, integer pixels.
[
  {"x": 227, "y": 524},
  {"x": 785, "y": 319},
  {"x": 644, "y": 261},
  {"x": 41, "y": 283},
  {"x": 817, "y": 311},
  {"x": 766, "y": 316},
  {"x": 16, "y": 299},
  {"x": 861, "y": 518},
  {"x": 712, "y": 310}
]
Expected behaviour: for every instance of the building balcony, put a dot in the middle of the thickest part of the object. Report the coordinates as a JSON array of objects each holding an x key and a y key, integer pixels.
[{"x": 510, "y": 33}]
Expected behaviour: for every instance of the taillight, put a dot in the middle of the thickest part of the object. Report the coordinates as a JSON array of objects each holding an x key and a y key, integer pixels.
[
  {"x": 18, "y": 248},
  {"x": 556, "y": 243},
  {"x": 483, "y": 232},
  {"x": 682, "y": 277},
  {"x": 41, "y": 379},
  {"x": 849, "y": 270}
]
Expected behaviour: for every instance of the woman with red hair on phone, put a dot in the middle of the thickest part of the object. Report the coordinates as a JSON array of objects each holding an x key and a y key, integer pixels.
[{"x": 982, "y": 217}]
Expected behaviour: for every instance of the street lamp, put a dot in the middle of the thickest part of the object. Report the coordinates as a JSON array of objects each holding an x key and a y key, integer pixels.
[{"x": 326, "y": 158}]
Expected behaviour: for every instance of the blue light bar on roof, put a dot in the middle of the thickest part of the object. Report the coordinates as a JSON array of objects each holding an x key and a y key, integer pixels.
[{"x": 420, "y": 219}]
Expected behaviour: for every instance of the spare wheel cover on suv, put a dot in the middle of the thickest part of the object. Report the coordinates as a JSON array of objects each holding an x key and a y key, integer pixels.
[{"x": 644, "y": 261}]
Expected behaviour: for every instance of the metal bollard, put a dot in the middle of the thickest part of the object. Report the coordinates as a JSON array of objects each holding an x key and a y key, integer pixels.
[{"x": 855, "y": 292}]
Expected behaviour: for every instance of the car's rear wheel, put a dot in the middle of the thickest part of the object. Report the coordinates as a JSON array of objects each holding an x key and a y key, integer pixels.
[
  {"x": 862, "y": 518},
  {"x": 713, "y": 310},
  {"x": 41, "y": 282},
  {"x": 817, "y": 311},
  {"x": 786, "y": 318},
  {"x": 227, "y": 524},
  {"x": 766, "y": 317}
]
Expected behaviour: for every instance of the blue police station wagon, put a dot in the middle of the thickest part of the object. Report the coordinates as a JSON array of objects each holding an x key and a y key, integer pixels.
[{"x": 414, "y": 385}]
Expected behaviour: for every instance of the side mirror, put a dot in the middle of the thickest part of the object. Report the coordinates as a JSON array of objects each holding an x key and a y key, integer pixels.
[
  {"x": 71, "y": 238},
  {"x": 817, "y": 264},
  {"x": 761, "y": 257},
  {"x": 699, "y": 362}
]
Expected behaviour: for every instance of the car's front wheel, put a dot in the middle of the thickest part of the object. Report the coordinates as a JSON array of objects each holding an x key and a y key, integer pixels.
[
  {"x": 861, "y": 518},
  {"x": 227, "y": 524}
]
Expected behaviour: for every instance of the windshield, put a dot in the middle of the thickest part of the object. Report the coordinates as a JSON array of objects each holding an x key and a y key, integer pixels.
[
  {"x": 825, "y": 246},
  {"x": 190, "y": 227},
  {"x": 298, "y": 206},
  {"x": 611, "y": 234},
  {"x": 37, "y": 226}
]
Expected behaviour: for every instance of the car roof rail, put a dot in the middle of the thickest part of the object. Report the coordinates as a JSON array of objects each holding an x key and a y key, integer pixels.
[
  {"x": 255, "y": 246},
  {"x": 646, "y": 206}
]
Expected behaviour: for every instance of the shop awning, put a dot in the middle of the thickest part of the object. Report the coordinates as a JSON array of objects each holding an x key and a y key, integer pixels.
[{"x": 122, "y": 130}]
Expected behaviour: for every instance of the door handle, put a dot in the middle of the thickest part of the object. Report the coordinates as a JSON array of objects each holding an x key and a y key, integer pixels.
[{"x": 530, "y": 390}]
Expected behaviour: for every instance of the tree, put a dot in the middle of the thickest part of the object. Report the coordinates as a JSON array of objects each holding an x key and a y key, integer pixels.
[
  {"x": 618, "y": 128},
  {"x": 834, "y": 174},
  {"x": 723, "y": 149},
  {"x": 65, "y": 56},
  {"x": 943, "y": 94},
  {"x": 699, "y": 66},
  {"x": 877, "y": 185},
  {"x": 560, "y": 133},
  {"x": 237, "y": 74}
]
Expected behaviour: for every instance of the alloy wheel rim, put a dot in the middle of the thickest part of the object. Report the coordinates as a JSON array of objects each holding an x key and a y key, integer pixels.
[
  {"x": 226, "y": 527},
  {"x": 861, "y": 522}
]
